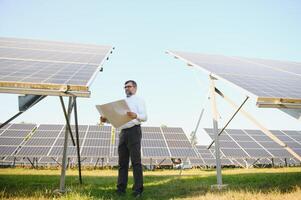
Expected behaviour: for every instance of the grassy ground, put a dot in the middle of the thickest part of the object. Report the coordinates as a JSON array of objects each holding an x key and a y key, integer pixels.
[{"x": 281, "y": 183}]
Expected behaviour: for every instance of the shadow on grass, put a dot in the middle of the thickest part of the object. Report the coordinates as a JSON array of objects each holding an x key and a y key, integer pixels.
[{"x": 156, "y": 187}]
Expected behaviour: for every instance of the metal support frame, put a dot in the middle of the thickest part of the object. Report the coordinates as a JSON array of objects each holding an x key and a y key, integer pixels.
[
  {"x": 102, "y": 162},
  {"x": 215, "y": 129},
  {"x": 67, "y": 129},
  {"x": 77, "y": 141},
  {"x": 231, "y": 118},
  {"x": 161, "y": 162},
  {"x": 255, "y": 161},
  {"x": 67, "y": 116},
  {"x": 56, "y": 161},
  {"x": 266, "y": 131},
  {"x": 96, "y": 163},
  {"x": 71, "y": 105},
  {"x": 25, "y": 102},
  {"x": 151, "y": 164},
  {"x": 31, "y": 162}
]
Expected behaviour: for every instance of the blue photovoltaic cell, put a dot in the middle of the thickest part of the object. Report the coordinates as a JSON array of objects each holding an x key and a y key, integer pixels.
[
  {"x": 26, "y": 62},
  {"x": 263, "y": 78}
]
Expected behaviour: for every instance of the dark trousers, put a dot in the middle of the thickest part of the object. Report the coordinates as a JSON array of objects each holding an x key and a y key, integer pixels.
[{"x": 130, "y": 147}]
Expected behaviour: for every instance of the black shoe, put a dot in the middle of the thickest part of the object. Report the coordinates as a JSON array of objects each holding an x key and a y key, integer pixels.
[
  {"x": 120, "y": 192},
  {"x": 137, "y": 194}
]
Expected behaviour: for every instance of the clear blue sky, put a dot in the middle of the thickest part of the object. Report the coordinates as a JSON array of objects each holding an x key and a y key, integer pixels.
[{"x": 141, "y": 31}]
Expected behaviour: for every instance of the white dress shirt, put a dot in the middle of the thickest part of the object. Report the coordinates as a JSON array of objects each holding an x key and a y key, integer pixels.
[{"x": 136, "y": 105}]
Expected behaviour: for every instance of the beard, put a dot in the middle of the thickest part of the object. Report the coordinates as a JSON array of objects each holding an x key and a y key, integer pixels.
[{"x": 128, "y": 93}]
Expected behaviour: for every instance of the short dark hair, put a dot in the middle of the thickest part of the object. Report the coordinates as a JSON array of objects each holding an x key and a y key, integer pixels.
[{"x": 131, "y": 81}]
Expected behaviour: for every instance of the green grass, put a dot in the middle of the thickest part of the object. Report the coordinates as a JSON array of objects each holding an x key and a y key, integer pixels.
[{"x": 281, "y": 183}]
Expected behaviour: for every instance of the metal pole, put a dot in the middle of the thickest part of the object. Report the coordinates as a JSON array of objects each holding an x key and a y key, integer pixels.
[
  {"x": 77, "y": 141},
  {"x": 231, "y": 118},
  {"x": 215, "y": 129},
  {"x": 67, "y": 117},
  {"x": 64, "y": 159},
  {"x": 96, "y": 163}
]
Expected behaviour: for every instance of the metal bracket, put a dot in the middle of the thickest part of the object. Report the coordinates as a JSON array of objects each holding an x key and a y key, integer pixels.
[{"x": 27, "y": 101}]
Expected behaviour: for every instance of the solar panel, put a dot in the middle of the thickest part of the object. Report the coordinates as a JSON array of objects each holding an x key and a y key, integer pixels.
[
  {"x": 39, "y": 67},
  {"x": 12, "y": 137},
  {"x": 150, "y": 129},
  {"x": 250, "y": 144},
  {"x": 7, "y": 150},
  {"x": 46, "y": 143},
  {"x": 29, "y": 151},
  {"x": 266, "y": 79},
  {"x": 57, "y": 151},
  {"x": 40, "y": 143},
  {"x": 154, "y": 143},
  {"x": 46, "y": 133},
  {"x": 48, "y": 160},
  {"x": 182, "y": 152},
  {"x": 95, "y": 152},
  {"x": 97, "y": 142},
  {"x": 197, "y": 162},
  {"x": 15, "y": 133},
  {"x": 26, "y": 127},
  {"x": 175, "y": 144},
  {"x": 5, "y": 127},
  {"x": 152, "y": 136},
  {"x": 155, "y": 152},
  {"x": 178, "y": 143},
  {"x": 50, "y": 127},
  {"x": 105, "y": 135},
  {"x": 10, "y": 141},
  {"x": 93, "y": 128},
  {"x": 60, "y": 142}
]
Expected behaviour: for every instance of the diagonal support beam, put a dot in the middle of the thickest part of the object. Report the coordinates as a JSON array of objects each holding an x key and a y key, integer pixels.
[
  {"x": 262, "y": 128},
  {"x": 231, "y": 118},
  {"x": 25, "y": 103},
  {"x": 67, "y": 118}
]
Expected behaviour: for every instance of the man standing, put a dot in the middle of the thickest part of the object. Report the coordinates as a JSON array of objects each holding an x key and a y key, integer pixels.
[{"x": 130, "y": 142}]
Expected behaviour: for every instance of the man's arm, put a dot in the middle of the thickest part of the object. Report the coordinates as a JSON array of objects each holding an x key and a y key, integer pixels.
[{"x": 141, "y": 115}]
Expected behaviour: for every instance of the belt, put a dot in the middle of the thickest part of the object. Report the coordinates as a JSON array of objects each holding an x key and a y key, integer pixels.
[{"x": 131, "y": 127}]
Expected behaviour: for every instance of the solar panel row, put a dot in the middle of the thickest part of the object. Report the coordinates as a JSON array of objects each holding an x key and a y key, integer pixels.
[
  {"x": 268, "y": 80},
  {"x": 50, "y": 66},
  {"x": 96, "y": 142},
  {"x": 253, "y": 144}
]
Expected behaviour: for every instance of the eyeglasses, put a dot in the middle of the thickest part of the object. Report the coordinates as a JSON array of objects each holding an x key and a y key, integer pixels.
[{"x": 128, "y": 86}]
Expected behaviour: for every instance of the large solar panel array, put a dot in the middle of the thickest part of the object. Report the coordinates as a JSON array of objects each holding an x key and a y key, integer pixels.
[
  {"x": 163, "y": 143},
  {"x": 264, "y": 78},
  {"x": 37, "y": 64},
  {"x": 236, "y": 143},
  {"x": 158, "y": 145},
  {"x": 44, "y": 143}
]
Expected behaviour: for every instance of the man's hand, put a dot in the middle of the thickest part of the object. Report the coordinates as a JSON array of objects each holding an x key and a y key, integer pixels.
[
  {"x": 103, "y": 119},
  {"x": 132, "y": 115}
]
